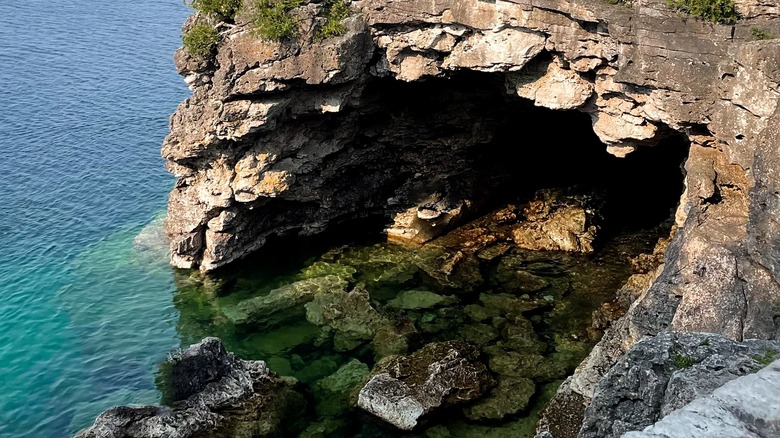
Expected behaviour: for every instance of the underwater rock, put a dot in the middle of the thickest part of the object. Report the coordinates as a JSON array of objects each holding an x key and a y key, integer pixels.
[
  {"x": 519, "y": 335},
  {"x": 419, "y": 299},
  {"x": 404, "y": 388},
  {"x": 511, "y": 305},
  {"x": 512, "y": 279},
  {"x": 661, "y": 374},
  {"x": 517, "y": 364},
  {"x": 456, "y": 271},
  {"x": 479, "y": 334},
  {"x": 333, "y": 392},
  {"x": 509, "y": 397},
  {"x": 212, "y": 394},
  {"x": 393, "y": 338},
  {"x": 285, "y": 303},
  {"x": 351, "y": 316},
  {"x": 558, "y": 221}
]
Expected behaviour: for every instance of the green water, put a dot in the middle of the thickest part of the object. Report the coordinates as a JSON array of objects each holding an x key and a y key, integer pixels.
[{"x": 519, "y": 307}]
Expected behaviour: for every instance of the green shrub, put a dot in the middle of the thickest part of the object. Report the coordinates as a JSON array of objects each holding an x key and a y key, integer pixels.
[
  {"x": 682, "y": 361},
  {"x": 335, "y": 12},
  {"x": 760, "y": 34},
  {"x": 272, "y": 20},
  {"x": 200, "y": 40},
  {"x": 222, "y": 9},
  {"x": 716, "y": 11}
]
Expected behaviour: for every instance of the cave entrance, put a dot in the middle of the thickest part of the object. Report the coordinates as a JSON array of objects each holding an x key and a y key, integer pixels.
[{"x": 466, "y": 137}]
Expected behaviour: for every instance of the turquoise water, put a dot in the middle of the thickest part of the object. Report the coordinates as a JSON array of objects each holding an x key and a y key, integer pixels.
[{"x": 85, "y": 314}]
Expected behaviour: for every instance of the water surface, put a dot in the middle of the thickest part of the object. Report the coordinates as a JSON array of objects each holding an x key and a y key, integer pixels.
[{"x": 86, "y": 88}]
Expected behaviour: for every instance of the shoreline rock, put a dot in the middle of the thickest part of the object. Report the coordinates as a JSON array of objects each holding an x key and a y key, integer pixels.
[{"x": 211, "y": 393}]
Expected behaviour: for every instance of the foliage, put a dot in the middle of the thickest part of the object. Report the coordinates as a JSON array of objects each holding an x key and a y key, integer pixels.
[
  {"x": 716, "y": 11},
  {"x": 760, "y": 34},
  {"x": 222, "y": 9},
  {"x": 272, "y": 20},
  {"x": 200, "y": 40},
  {"x": 768, "y": 357},
  {"x": 335, "y": 12},
  {"x": 682, "y": 361}
]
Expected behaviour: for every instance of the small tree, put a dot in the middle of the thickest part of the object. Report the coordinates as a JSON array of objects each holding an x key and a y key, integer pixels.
[
  {"x": 335, "y": 12},
  {"x": 200, "y": 40}
]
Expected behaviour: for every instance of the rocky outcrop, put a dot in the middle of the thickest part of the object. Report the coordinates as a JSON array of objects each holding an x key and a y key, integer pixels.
[
  {"x": 660, "y": 375},
  {"x": 404, "y": 388},
  {"x": 295, "y": 136},
  {"x": 745, "y": 407},
  {"x": 211, "y": 393}
]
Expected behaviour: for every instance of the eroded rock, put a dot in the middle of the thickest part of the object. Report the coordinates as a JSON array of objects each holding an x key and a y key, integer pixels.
[
  {"x": 404, "y": 388},
  {"x": 212, "y": 393}
]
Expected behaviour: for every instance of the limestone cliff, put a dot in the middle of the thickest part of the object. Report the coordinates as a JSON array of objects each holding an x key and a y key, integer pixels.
[{"x": 296, "y": 136}]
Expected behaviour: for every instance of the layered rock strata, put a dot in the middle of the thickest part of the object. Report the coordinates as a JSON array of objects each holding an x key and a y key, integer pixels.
[{"x": 288, "y": 137}]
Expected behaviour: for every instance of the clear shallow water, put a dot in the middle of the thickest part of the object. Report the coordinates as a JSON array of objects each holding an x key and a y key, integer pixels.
[{"x": 85, "y": 316}]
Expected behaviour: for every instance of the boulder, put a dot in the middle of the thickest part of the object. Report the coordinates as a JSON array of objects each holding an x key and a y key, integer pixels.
[
  {"x": 404, "y": 388},
  {"x": 559, "y": 221},
  {"x": 664, "y": 373},
  {"x": 211, "y": 393}
]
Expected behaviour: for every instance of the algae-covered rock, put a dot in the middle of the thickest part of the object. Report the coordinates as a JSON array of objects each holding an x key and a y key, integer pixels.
[
  {"x": 456, "y": 271},
  {"x": 481, "y": 313},
  {"x": 333, "y": 392},
  {"x": 404, "y": 388},
  {"x": 351, "y": 315},
  {"x": 285, "y": 303},
  {"x": 310, "y": 372},
  {"x": 478, "y": 334},
  {"x": 323, "y": 269},
  {"x": 507, "y": 304},
  {"x": 510, "y": 278},
  {"x": 393, "y": 338},
  {"x": 518, "y": 334},
  {"x": 325, "y": 428},
  {"x": 529, "y": 365},
  {"x": 509, "y": 397},
  {"x": 419, "y": 299}
]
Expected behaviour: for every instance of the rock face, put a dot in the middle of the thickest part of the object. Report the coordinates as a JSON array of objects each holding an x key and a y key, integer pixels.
[
  {"x": 295, "y": 136},
  {"x": 212, "y": 393},
  {"x": 745, "y": 407},
  {"x": 404, "y": 388},
  {"x": 665, "y": 373}
]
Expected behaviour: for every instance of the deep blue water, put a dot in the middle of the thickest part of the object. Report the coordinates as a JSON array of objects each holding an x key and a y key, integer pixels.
[{"x": 86, "y": 88}]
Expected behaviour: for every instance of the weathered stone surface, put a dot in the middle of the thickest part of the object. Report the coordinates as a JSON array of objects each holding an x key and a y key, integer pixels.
[
  {"x": 746, "y": 407},
  {"x": 557, "y": 221},
  {"x": 404, "y": 388},
  {"x": 664, "y": 373},
  {"x": 212, "y": 394},
  {"x": 290, "y": 114},
  {"x": 509, "y": 397},
  {"x": 285, "y": 303}
]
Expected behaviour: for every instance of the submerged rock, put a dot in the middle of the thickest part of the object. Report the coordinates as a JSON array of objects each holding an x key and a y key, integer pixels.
[
  {"x": 419, "y": 299},
  {"x": 285, "y": 303},
  {"x": 555, "y": 220},
  {"x": 351, "y": 316},
  {"x": 509, "y": 397},
  {"x": 212, "y": 393},
  {"x": 664, "y": 373},
  {"x": 404, "y": 388},
  {"x": 333, "y": 392}
]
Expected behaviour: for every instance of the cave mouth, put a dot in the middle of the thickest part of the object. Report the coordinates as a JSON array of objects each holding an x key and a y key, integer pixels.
[{"x": 518, "y": 148}]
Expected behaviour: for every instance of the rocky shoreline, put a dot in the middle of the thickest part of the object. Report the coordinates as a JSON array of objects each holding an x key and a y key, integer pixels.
[{"x": 399, "y": 118}]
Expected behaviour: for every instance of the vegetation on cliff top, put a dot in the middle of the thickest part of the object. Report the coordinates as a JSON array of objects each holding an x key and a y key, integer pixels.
[
  {"x": 200, "y": 40},
  {"x": 220, "y": 9},
  {"x": 716, "y": 11},
  {"x": 272, "y": 19}
]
